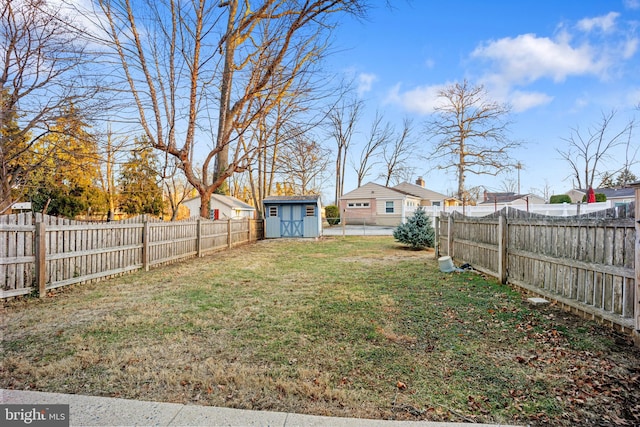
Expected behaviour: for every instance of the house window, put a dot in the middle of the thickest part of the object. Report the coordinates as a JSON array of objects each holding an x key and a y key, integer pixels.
[
  {"x": 310, "y": 210},
  {"x": 389, "y": 207},
  {"x": 273, "y": 211},
  {"x": 358, "y": 205},
  {"x": 434, "y": 203}
]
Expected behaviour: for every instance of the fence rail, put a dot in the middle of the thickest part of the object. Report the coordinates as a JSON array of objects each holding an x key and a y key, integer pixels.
[
  {"x": 42, "y": 252},
  {"x": 585, "y": 262}
]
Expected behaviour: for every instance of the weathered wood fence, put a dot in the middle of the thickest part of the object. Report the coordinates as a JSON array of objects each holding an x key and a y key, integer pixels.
[
  {"x": 43, "y": 252},
  {"x": 586, "y": 262}
]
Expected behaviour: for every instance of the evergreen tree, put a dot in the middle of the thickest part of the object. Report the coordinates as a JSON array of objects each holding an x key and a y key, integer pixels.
[
  {"x": 15, "y": 158},
  {"x": 139, "y": 181},
  {"x": 417, "y": 231},
  {"x": 67, "y": 177},
  {"x": 625, "y": 178}
]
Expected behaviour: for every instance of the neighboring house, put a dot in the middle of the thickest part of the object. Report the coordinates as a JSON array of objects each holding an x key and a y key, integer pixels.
[
  {"x": 427, "y": 197},
  {"x": 615, "y": 195},
  {"x": 292, "y": 216},
  {"x": 375, "y": 204},
  {"x": 19, "y": 207},
  {"x": 501, "y": 200},
  {"x": 222, "y": 207}
]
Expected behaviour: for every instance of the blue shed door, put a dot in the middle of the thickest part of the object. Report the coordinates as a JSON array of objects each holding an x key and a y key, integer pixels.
[{"x": 291, "y": 221}]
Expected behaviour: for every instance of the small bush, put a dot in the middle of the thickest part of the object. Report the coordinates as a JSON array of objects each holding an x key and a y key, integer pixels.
[
  {"x": 417, "y": 231},
  {"x": 560, "y": 198},
  {"x": 600, "y": 197},
  {"x": 332, "y": 213}
]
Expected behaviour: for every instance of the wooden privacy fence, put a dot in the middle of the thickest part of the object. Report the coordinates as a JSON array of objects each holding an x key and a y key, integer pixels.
[
  {"x": 42, "y": 252},
  {"x": 584, "y": 262}
]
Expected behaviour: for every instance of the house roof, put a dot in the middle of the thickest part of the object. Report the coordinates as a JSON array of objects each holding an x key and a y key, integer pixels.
[
  {"x": 312, "y": 198},
  {"x": 232, "y": 202},
  {"x": 419, "y": 191},
  {"x": 371, "y": 188},
  {"x": 228, "y": 201},
  {"x": 491, "y": 198},
  {"x": 611, "y": 193}
]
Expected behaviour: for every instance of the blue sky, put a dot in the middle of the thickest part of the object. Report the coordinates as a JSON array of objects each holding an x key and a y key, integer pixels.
[{"x": 560, "y": 64}]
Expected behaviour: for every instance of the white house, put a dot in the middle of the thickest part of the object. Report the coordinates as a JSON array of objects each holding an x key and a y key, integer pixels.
[
  {"x": 375, "y": 204},
  {"x": 222, "y": 207}
]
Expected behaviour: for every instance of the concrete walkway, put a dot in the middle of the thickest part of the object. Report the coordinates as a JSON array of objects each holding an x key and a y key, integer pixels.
[{"x": 107, "y": 411}]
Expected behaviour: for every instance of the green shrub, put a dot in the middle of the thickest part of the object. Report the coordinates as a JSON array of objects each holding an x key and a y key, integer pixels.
[
  {"x": 332, "y": 213},
  {"x": 560, "y": 198},
  {"x": 600, "y": 197},
  {"x": 417, "y": 231}
]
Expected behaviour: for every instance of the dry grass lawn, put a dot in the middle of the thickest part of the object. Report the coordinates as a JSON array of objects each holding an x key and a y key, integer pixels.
[{"x": 355, "y": 327}]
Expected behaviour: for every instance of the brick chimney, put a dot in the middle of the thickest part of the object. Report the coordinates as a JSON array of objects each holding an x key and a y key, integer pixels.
[{"x": 420, "y": 182}]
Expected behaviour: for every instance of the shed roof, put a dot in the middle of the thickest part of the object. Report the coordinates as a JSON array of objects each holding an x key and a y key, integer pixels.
[{"x": 308, "y": 198}]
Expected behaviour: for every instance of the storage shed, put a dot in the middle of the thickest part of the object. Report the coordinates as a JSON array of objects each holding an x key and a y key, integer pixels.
[{"x": 292, "y": 216}]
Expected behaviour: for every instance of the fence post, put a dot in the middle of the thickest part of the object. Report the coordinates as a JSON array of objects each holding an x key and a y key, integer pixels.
[
  {"x": 199, "y": 238},
  {"x": 450, "y": 236},
  {"x": 636, "y": 333},
  {"x": 502, "y": 248},
  {"x": 145, "y": 245},
  {"x": 40, "y": 261},
  {"x": 229, "y": 233},
  {"x": 248, "y": 230},
  {"x": 436, "y": 221}
]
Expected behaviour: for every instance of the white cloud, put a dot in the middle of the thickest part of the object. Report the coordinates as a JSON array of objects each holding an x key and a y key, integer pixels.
[
  {"x": 630, "y": 48},
  {"x": 522, "y": 101},
  {"x": 632, "y": 97},
  {"x": 365, "y": 82},
  {"x": 81, "y": 12},
  {"x": 632, "y": 4},
  {"x": 421, "y": 99},
  {"x": 604, "y": 23},
  {"x": 509, "y": 68},
  {"x": 526, "y": 58}
]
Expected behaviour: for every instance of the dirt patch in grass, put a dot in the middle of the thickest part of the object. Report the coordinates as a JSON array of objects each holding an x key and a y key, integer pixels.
[{"x": 355, "y": 327}]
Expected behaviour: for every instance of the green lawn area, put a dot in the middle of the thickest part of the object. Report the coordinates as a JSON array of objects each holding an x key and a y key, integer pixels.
[{"x": 354, "y": 327}]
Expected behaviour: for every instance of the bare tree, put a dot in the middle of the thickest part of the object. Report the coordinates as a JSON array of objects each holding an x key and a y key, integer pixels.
[
  {"x": 378, "y": 137},
  {"x": 42, "y": 77},
  {"x": 587, "y": 154},
  {"x": 343, "y": 120},
  {"x": 111, "y": 152},
  {"x": 509, "y": 185},
  {"x": 470, "y": 133},
  {"x": 545, "y": 192},
  {"x": 289, "y": 119},
  {"x": 190, "y": 58},
  {"x": 303, "y": 163},
  {"x": 397, "y": 153},
  {"x": 176, "y": 187}
]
